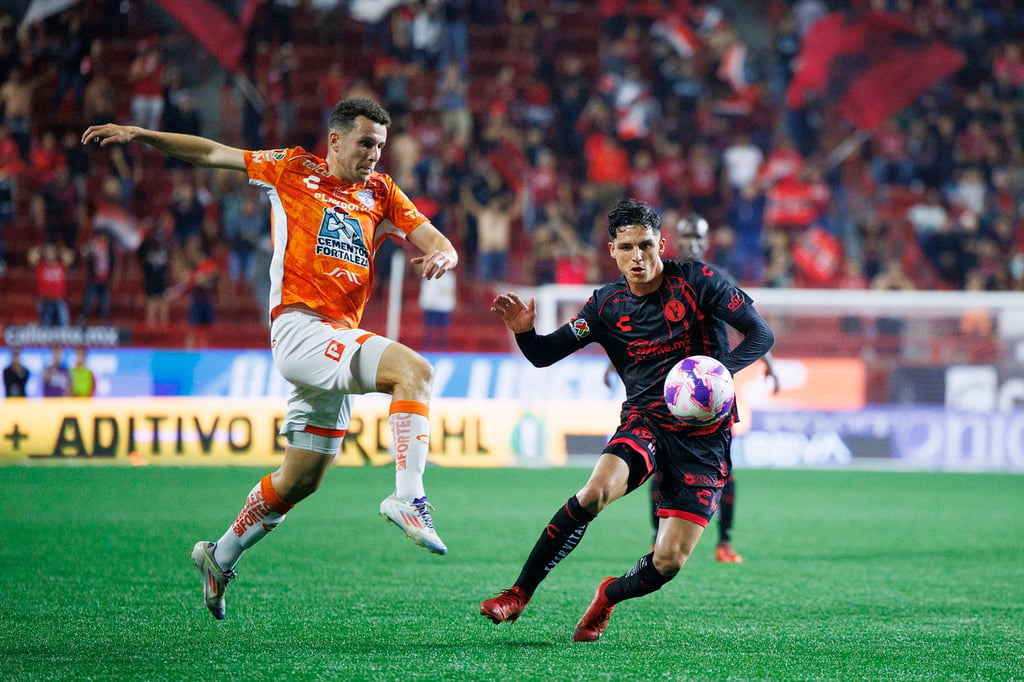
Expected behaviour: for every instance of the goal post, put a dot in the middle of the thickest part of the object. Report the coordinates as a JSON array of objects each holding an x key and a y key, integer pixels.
[{"x": 934, "y": 325}]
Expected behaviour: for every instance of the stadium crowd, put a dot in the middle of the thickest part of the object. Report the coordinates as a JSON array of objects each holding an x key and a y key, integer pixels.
[{"x": 517, "y": 125}]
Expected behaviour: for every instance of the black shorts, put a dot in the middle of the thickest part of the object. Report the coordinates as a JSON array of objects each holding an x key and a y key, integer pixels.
[{"x": 694, "y": 468}]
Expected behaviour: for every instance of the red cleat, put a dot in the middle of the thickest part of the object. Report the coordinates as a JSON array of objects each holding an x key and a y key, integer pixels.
[
  {"x": 595, "y": 620},
  {"x": 506, "y": 607},
  {"x": 725, "y": 554}
]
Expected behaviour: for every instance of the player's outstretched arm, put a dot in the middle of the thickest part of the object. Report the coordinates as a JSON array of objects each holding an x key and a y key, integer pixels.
[
  {"x": 439, "y": 256},
  {"x": 758, "y": 339},
  {"x": 194, "y": 149},
  {"x": 517, "y": 315}
]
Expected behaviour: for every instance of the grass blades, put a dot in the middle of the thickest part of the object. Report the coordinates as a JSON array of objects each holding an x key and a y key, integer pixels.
[{"x": 848, "y": 575}]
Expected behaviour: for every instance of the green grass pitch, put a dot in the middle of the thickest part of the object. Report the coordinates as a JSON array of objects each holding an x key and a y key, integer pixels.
[{"x": 849, "y": 575}]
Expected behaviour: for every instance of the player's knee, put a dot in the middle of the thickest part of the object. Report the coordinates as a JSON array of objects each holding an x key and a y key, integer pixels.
[
  {"x": 304, "y": 487},
  {"x": 595, "y": 498},
  {"x": 669, "y": 563},
  {"x": 295, "y": 488},
  {"x": 416, "y": 379},
  {"x": 405, "y": 371},
  {"x": 421, "y": 372}
]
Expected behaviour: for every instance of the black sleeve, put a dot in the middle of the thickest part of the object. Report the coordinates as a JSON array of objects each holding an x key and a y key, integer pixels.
[
  {"x": 546, "y": 350},
  {"x": 758, "y": 339}
]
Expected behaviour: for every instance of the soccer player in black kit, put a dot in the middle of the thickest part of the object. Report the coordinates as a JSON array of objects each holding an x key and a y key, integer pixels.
[{"x": 657, "y": 313}]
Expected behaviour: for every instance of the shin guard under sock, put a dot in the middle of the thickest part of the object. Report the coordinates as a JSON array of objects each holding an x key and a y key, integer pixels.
[
  {"x": 642, "y": 579},
  {"x": 410, "y": 432},
  {"x": 264, "y": 510},
  {"x": 560, "y": 537}
]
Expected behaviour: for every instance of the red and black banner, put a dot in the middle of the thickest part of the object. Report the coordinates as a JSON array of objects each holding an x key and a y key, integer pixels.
[
  {"x": 868, "y": 64},
  {"x": 220, "y": 27}
]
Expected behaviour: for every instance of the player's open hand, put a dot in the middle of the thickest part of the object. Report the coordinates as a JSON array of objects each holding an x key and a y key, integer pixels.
[
  {"x": 434, "y": 264},
  {"x": 108, "y": 133},
  {"x": 516, "y": 314}
]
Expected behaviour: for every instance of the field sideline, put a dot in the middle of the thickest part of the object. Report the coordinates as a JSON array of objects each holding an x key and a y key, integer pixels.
[{"x": 848, "y": 576}]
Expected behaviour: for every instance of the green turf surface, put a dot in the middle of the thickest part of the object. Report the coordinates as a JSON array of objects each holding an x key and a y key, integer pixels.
[{"x": 848, "y": 576}]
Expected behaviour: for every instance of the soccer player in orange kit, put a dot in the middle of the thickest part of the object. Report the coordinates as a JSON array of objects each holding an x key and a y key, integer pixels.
[{"x": 328, "y": 217}]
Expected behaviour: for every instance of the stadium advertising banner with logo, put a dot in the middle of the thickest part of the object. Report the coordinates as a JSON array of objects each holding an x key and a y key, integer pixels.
[
  {"x": 133, "y": 373},
  {"x": 906, "y": 437},
  {"x": 198, "y": 431},
  {"x": 224, "y": 407}
]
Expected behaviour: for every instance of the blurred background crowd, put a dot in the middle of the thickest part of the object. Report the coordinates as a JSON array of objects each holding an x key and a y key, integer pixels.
[{"x": 517, "y": 124}]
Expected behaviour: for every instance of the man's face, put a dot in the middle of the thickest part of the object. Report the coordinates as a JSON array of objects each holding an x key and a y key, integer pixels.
[
  {"x": 353, "y": 155},
  {"x": 690, "y": 244},
  {"x": 637, "y": 250}
]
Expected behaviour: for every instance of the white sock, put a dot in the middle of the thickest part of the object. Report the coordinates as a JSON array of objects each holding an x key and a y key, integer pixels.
[
  {"x": 264, "y": 511},
  {"x": 410, "y": 433}
]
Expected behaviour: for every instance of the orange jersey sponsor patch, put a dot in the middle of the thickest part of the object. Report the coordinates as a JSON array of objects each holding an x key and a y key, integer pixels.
[{"x": 326, "y": 231}]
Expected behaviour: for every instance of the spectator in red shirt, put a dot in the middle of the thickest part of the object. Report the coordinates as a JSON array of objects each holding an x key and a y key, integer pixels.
[
  {"x": 1009, "y": 64},
  {"x": 544, "y": 187},
  {"x": 51, "y": 263},
  {"x": 98, "y": 255},
  {"x": 784, "y": 162},
  {"x": 146, "y": 76},
  {"x": 607, "y": 166},
  {"x": 45, "y": 158},
  {"x": 201, "y": 287}
]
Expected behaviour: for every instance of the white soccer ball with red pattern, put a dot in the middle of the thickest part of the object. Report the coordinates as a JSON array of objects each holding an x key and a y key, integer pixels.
[{"x": 699, "y": 391}]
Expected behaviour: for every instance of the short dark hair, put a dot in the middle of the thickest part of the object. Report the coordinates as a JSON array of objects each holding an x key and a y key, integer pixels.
[
  {"x": 343, "y": 116},
  {"x": 632, "y": 212}
]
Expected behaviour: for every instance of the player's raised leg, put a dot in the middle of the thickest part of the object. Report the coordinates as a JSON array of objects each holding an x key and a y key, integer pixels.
[{"x": 408, "y": 377}]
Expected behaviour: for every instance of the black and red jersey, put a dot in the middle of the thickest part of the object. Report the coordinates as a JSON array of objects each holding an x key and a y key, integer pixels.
[{"x": 644, "y": 336}]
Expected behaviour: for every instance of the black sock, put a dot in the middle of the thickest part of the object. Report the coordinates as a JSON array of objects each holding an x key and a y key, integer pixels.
[
  {"x": 642, "y": 579},
  {"x": 725, "y": 511},
  {"x": 655, "y": 499},
  {"x": 562, "y": 534}
]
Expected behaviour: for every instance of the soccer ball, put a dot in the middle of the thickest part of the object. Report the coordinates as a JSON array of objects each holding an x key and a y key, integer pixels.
[{"x": 699, "y": 391}]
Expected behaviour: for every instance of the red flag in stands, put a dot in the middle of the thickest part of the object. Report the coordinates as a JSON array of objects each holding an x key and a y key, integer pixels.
[
  {"x": 215, "y": 26},
  {"x": 868, "y": 64}
]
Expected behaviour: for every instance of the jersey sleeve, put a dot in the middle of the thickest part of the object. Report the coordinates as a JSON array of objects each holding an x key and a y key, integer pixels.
[
  {"x": 717, "y": 295},
  {"x": 266, "y": 165},
  {"x": 400, "y": 215},
  {"x": 400, "y": 210},
  {"x": 721, "y": 298},
  {"x": 547, "y": 349}
]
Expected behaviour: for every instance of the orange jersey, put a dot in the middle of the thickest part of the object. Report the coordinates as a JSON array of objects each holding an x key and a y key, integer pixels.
[{"x": 326, "y": 231}]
